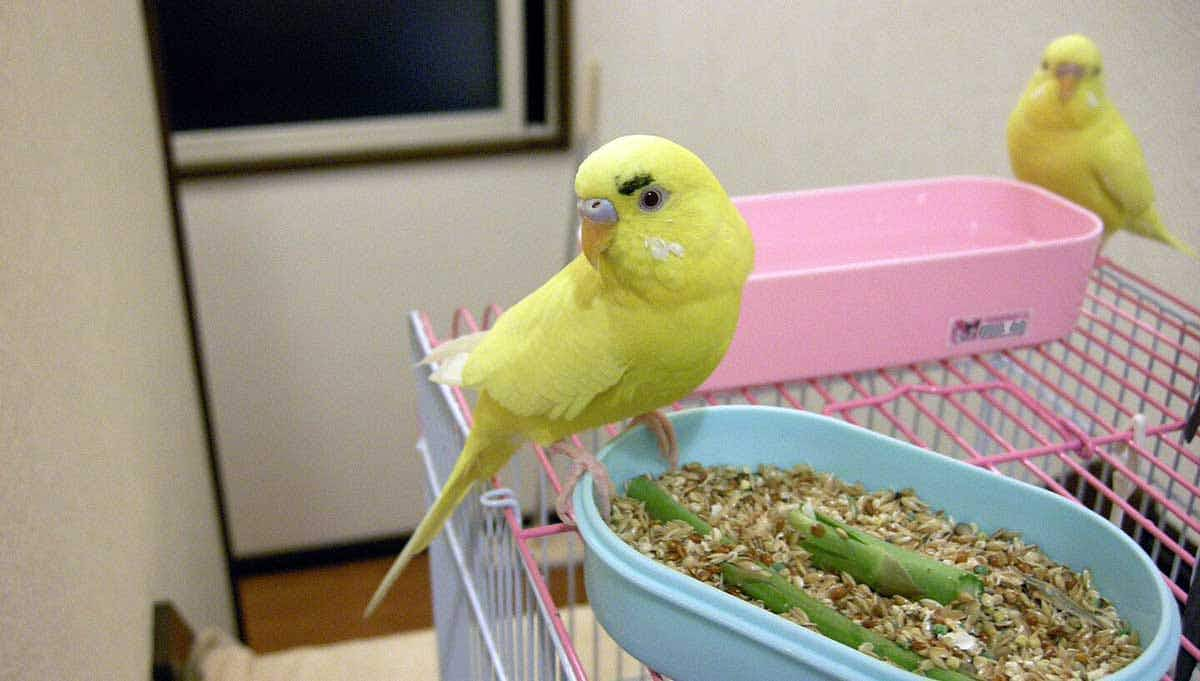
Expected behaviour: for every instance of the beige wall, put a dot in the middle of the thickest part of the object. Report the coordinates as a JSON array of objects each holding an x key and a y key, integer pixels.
[
  {"x": 315, "y": 404},
  {"x": 105, "y": 498}
]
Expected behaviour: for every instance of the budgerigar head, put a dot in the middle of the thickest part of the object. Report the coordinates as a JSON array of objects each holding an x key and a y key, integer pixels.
[
  {"x": 1068, "y": 86},
  {"x": 652, "y": 213}
]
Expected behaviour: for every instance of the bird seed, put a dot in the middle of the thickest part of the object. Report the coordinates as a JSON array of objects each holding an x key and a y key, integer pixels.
[{"x": 1035, "y": 619}]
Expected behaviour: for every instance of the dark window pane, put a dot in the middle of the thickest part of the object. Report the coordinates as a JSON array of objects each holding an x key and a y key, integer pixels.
[
  {"x": 231, "y": 63},
  {"x": 535, "y": 61}
]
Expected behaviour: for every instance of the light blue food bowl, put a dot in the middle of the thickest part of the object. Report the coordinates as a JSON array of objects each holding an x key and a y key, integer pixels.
[{"x": 690, "y": 631}]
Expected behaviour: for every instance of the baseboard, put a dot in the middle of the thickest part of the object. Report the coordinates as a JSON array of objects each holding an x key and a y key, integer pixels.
[
  {"x": 330, "y": 554},
  {"x": 173, "y": 640}
]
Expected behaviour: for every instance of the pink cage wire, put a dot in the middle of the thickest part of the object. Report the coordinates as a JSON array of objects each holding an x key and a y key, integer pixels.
[{"x": 1096, "y": 416}]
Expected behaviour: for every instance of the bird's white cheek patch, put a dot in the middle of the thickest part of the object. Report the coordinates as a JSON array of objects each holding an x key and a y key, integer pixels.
[
  {"x": 661, "y": 249},
  {"x": 1092, "y": 101}
]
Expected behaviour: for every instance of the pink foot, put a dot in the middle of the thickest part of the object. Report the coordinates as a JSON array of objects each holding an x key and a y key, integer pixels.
[
  {"x": 583, "y": 461},
  {"x": 661, "y": 426}
]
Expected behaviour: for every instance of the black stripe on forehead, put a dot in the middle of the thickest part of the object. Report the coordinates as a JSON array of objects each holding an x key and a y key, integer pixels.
[{"x": 634, "y": 183}]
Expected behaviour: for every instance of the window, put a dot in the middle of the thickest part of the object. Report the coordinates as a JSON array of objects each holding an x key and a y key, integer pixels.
[{"x": 259, "y": 84}]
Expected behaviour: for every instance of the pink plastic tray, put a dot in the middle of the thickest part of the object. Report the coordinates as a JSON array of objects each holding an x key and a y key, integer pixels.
[{"x": 870, "y": 276}]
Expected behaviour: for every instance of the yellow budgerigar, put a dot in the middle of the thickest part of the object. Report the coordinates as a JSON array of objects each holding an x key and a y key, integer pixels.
[
  {"x": 637, "y": 321},
  {"x": 1066, "y": 136}
]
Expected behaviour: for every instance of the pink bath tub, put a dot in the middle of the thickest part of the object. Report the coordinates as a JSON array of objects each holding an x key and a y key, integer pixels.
[{"x": 870, "y": 276}]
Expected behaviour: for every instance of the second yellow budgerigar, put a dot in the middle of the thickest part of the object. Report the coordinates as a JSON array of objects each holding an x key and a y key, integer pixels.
[
  {"x": 1066, "y": 136},
  {"x": 636, "y": 322}
]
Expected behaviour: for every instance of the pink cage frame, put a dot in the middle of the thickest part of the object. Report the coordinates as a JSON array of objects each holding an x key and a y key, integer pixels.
[{"x": 1094, "y": 416}]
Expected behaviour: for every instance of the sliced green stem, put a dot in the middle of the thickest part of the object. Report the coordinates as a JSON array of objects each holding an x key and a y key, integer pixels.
[
  {"x": 780, "y": 596},
  {"x": 885, "y": 567},
  {"x": 662, "y": 506}
]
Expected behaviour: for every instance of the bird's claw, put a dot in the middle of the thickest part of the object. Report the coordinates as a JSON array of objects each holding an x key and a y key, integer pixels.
[
  {"x": 583, "y": 461},
  {"x": 668, "y": 444}
]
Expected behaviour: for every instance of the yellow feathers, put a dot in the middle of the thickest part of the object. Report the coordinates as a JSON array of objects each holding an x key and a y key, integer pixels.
[
  {"x": 1066, "y": 136},
  {"x": 636, "y": 322}
]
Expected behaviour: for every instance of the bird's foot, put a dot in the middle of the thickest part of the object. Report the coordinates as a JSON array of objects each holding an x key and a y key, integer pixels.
[
  {"x": 660, "y": 425},
  {"x": 582, "y": 462}
]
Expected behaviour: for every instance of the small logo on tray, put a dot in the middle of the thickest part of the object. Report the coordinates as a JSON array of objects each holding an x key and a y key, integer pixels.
[{"x": 970, "y": 329}]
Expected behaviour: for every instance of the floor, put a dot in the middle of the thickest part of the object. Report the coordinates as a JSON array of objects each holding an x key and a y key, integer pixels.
[{"x": 324, "y": 604}]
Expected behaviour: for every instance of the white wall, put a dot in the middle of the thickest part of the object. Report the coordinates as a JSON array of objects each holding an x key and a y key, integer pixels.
[
  {"x": 304, "y": 281},
  {"x": 305, "y": 277},
  {"x": 105, "y": 498}
]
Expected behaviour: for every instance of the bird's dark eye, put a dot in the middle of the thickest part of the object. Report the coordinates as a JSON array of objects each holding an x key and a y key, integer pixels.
[
  {"x": 1045, "y": 65},
  {"x": 1096, "y": 71},
  {"x": 652, "y": 199}
]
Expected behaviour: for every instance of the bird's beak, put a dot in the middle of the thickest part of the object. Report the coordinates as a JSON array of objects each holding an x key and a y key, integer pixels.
[
  {"x": 1068, "y": 76},
  {"x": 598, "y": 218}
]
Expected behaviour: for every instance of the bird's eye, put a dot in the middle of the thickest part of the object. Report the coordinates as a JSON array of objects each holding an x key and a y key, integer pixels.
[
  {"x": 1045, "y": 65},
  {"x": 652, "y": 199},
  {"x": 1096, "y": 71}
]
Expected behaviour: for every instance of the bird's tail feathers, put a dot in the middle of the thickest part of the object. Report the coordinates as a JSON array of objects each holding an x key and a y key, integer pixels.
[
  {"x": 1178, "y": 244},
  {"x": 478, "y": 460},
  {"x": 1149, "y": 225}
]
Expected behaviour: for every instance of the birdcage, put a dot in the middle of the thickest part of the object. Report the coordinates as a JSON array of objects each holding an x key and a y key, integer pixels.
[{"x": 1097, "y": 416}]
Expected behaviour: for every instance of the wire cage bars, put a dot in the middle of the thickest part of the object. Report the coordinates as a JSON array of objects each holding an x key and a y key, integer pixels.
[{"x": 1097, "y": 417}]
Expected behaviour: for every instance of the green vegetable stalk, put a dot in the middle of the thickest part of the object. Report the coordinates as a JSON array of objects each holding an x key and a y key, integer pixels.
[
  {"x": 885, "y": 567},
  {"x": 778, "y": 594},
  {"x": 662, "y": 506}
]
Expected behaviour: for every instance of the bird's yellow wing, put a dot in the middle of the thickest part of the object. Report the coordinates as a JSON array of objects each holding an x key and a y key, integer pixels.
[
  {"x": 553, "y": 352},
  {"x": 1119, "y": 166}
]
